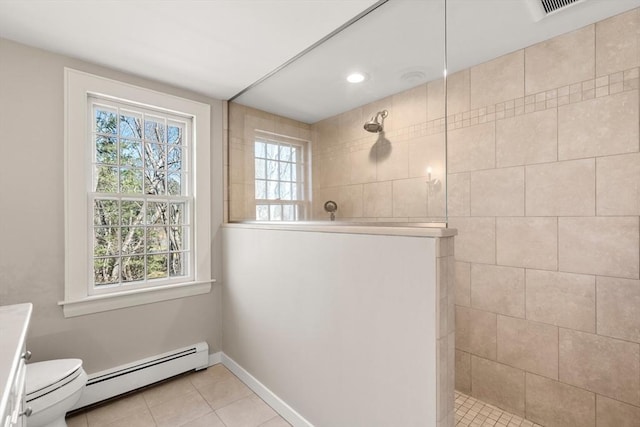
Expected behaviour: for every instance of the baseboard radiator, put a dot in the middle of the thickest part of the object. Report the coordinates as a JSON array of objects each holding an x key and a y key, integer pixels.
[{"x": 122, "y": 379}]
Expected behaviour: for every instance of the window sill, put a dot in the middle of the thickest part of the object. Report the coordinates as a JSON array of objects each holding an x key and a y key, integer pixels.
[{"x": 114, "y": 301}]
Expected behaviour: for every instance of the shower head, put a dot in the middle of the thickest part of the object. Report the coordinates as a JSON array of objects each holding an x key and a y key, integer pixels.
[{"x": 374, "y": 125}]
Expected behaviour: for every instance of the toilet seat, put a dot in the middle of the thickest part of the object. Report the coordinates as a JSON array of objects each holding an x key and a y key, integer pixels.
[{"x": 44, "y": 378}]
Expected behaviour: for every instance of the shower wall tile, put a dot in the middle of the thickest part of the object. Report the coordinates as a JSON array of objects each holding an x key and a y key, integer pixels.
[
  {"x": 527, "y": 139},
  {"x": 335, "y": 169},
  {"x": 325, "y": 133},
  {"x": 561, "y": 299},
  {"x": 284, "y": 126},
  {"x": 607, "y": 246},
  {"x": 237, "y": 158},
  {"x": 562, "y": 188},
  {"x": 560, "y": 61},
  {"x": 410, "y": 198},
  {"x": 237, "y": 202},
  {"x": 619, "y": 308},
  {"x": 618, "y": 185},
  {"x": 350, "y": 125},
  {"x": 471, "y": 148},
  {"x": 618, "y": 43},
  {"x": 435, "y": 100},
  {"x": 599, "y": 127},
  {"x": 459, "y": 194},
  {"x": 476, "y": 332},
  {"x": 408, "y": 108},
  {"x": 498, "y": 289},
  {"x": 256, "y": 119},
  {"x": 249, "y": 162},
  {"x": 498, "y": 192},
  {"x": 554, "y": 404},
  {"x": 392, "y": 160},
  {"x": 442, "y": 279},
  {"x": 463, "y": 371},
  {"x": 463, "y": 283},
  {"x": 527, "y": 345},
  {"x": 529, "y": 242},
  {"x": 315, "y": 175},
  {"x": 424, "y": 152},
  {"x": 498, "y": 384},
  {"x": 436, "y": 204},
  {"x": 611, "y": 413},
  {"x": 442, "y": 384},
  {"x": 458, "y": 93},
  {"x": 362, "y": 166},
  {"x": 349, "y": 200},
  {"x": 600, "y": 364},
  {"x": 476, "y": 239},
  {"x": 377, "y": 199},
  {"x": 498, "y": 80}
]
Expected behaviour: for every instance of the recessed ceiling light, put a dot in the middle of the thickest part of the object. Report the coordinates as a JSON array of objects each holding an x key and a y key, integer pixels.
[{"x": 356, "y": 77}]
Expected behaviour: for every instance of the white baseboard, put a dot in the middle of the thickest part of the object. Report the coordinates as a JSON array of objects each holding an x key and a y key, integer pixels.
[
  {"x": 279, "y": 405},
  {"x": 215, "y": 358}
]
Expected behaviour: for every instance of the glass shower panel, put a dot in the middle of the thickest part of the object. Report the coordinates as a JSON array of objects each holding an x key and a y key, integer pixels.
[{"x": 392, "y": 171}]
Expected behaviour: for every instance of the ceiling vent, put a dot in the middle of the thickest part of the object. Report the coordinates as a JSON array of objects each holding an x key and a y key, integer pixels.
[{"x": 543, "y": 8}]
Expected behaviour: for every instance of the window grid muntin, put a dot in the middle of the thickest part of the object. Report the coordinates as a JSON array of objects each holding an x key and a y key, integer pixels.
[
  {"x": 296, "y": 203},
  {"x": 120, "y": 225},
  {"x": 168, "y": 143},
  {"x": 265, "y": 211}
]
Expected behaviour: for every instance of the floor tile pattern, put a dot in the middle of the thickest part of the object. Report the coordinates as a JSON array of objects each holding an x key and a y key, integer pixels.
[
  {"x": 471, "y": 412},
  {"x": 216, "y": 398},
  {"x": 210, "y": 398}
]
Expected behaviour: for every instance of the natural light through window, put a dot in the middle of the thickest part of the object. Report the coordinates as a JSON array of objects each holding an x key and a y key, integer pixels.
[
  {"x": 141, "y": 199},
  {"x": 280, "y": 178},
  {"x": 137, "y": 195}
]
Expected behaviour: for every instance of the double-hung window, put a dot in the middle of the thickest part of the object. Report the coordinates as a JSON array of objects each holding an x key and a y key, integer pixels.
[
  {"x": 141, "y": 196},
  {"x": 280, "y": 177},
  {"x": 137, "y": 195}
]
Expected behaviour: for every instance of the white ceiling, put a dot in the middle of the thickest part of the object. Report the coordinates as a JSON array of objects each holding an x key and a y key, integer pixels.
[
  {"x": 219, "y": 47},
  {"x": 214, "y": 47}
]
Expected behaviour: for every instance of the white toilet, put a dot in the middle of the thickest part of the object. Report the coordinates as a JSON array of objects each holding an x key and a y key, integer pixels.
[{"x": 53, "y": 387}]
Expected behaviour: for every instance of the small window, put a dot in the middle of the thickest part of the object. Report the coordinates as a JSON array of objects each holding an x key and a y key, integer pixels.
[{"x": 280, "y": 178}]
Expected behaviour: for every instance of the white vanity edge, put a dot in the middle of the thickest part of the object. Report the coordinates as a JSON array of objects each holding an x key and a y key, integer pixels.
[
  {"x": 351, "y": 229},
  {"x": 14, "y": 322}
]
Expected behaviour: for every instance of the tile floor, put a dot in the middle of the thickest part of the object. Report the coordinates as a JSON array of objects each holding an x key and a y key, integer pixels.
[
  {"x": 471, "y": 412},
  {"x": 217, "y": 398},
  {"x": 210, "y": 398}
]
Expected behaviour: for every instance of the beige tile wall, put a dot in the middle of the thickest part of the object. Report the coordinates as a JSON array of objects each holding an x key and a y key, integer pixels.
[
  {"x": 383, "y": 177},
  {"x": 544, "y": 188},
  {"x": 445, "y": 345}
]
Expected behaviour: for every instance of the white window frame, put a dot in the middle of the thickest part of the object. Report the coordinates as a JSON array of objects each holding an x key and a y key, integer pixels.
[
  {"x": 303, "y": 185},
  {"x": 78, "y": 299}
]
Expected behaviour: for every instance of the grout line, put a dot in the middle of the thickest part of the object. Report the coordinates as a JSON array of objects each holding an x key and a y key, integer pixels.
[
  {"x": 558, "y": 332},
  {"x": 595, "y": 294},
  {"x": 557, "y": 244}
]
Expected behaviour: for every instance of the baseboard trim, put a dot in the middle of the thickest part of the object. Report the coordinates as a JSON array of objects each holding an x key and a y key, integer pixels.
[
  {"x": 215, "y": 358},
  {"x": 279, "y": 405}
]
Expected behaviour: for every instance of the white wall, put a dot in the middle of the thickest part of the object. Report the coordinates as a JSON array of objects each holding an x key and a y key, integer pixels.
[
  {"x": 32, "y": 224},
  {"x": 340, "y": 326}
]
